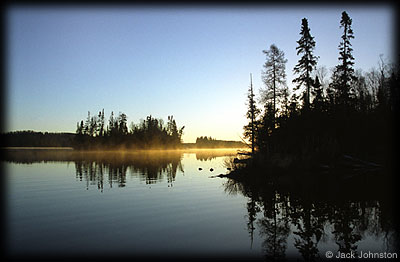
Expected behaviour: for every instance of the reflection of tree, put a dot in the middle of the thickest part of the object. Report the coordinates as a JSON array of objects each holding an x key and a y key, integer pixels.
[
  {"x": 116, "y": 173},
  {"x": 252, "y": 210},
  {"x": 150, "y": 167},
  {"x": 312, "y": 218},
  {"x": 345, "y": 219},
  {"x": 274, "y": 226},
  {"x": 231, "y": 187},
  {"x": 93, "y": 173},
  {"x": 204, "y": 158},
  {"x": 309, "y": 223},
  {"x": 208, "y": 155}
]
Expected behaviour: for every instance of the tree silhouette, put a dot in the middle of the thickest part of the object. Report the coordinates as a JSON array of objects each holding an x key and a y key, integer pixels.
[
  {"x": 252, "y": 113},
  {"x": 101, "y": 123},
  {"x": 307, "y": 62},
  {"x": 173, "y": 131},
  {"x": 122, "y": 124},
  {"x": 274, "y": 75},
  {"x": 344, "y": 73}
]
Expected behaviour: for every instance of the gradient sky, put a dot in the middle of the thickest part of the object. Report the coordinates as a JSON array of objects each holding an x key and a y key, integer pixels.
[{"x": 193, "y": 63}]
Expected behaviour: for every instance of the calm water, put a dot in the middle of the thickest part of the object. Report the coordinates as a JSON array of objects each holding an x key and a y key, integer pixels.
[{"x": 161, "y": 204}]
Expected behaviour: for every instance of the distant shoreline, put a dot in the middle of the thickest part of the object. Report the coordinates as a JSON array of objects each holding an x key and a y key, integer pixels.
[
  {"x": 36, "y": 148},
  {"x": 124, "y": 149},
  {"x": 62, "y": 141}
]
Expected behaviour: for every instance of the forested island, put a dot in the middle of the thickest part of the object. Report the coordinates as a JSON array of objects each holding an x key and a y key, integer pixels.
[
  {"x": 149, "y": 133},
  {"x": 209, "y": 142}
]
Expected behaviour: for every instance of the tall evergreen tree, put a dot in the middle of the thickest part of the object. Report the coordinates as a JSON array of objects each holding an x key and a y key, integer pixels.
[
  {"x": 307, "y": 62},
  {"x": 344, "y": 72},
  {"x": 252, "y": 113},
  {"x": 274, "y": 76}
]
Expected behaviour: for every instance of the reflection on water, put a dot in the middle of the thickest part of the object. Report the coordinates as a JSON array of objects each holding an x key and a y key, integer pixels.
[
  {"x": 112, "y": 167},
  {"x": 207, "y": 155},
  {"x": 150, "y": 169},
  {"x": 274, "y": 222},
  {"x": 336, "y": 225}
]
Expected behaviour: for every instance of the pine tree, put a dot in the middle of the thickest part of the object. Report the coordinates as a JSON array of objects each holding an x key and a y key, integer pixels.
[{"x": 307, "y": 62}]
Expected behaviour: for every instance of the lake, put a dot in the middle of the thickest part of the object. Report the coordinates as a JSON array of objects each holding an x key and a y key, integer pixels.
[{"x": 159, "y": 204}]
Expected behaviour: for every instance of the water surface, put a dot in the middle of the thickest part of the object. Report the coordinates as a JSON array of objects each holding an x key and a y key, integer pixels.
[{"x": 158, "y": 203}]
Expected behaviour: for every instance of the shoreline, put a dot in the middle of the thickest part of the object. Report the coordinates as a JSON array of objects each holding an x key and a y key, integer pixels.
[{"x": 123, "y": 149}]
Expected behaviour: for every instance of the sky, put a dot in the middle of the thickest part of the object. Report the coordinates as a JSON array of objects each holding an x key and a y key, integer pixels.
[{"x": 190, "y": 62}]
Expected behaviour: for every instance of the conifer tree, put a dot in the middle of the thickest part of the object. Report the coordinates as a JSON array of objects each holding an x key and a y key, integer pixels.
[
  {"x": 274, "y": 76},
  {"x": 122, "y": 124},
  {"x": 252, "y": 113},
  {"x": 344, "y": 72},
  {"x": 307, "y": 62}
]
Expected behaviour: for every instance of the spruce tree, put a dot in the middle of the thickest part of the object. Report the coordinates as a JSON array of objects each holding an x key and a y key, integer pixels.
[
  {"x": 344, "y": 73},
  {"x": 252, "y": 113},
  {"x": 307, "y": 62}
]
